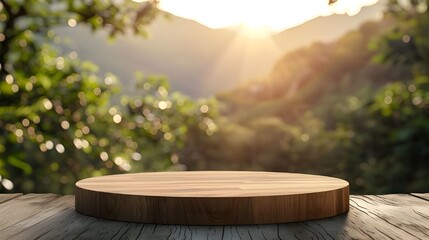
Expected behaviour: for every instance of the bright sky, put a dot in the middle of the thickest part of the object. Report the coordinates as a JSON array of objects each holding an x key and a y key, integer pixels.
[{"x": 275, "y": 15}]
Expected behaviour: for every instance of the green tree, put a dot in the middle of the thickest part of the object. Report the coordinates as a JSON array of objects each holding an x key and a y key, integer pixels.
[
  {"x": 388, "y": 147},
  {"x": 57, "y": 121},
  {"x": 382, "y": 145},
  {"x": 407, "y": 44},
  {"x": 331, "y": 109}
]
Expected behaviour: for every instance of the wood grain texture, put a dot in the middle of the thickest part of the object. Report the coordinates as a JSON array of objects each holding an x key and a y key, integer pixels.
[
  {"x": 424, "y": 196},
  {"x": 7, "y": 197},
  {"x": 27, "y": 211},
  {"x": 212, "y": 198},
  {"x": 48, "y": 216}
]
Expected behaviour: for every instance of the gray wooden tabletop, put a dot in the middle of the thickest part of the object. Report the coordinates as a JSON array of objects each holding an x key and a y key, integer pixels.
[{"x": 50, "y": 216}]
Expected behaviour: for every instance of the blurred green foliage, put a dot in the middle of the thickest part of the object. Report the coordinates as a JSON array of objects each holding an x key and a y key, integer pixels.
[
  {"x": 58, "y": 123},
  {"x": 356, "y": 108},
  {"x": 387, "y": 151}
]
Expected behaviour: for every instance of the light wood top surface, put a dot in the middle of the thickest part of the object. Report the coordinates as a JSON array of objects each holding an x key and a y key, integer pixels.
[{"x": 212, "y": 184}]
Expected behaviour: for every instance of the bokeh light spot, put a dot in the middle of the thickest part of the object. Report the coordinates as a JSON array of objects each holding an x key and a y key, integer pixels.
[
  {"x": 73, "y": 55},
  {"x": 305, "y": 137},
  {"x": 104, "y": 156},
  {"x": 25, "y": 122},
  {"x": 29, "y": 86},
  {"x": 19, "y": 132},
  {"x": 126, "y": 166},
  {"x": 49, "y": 144},
  {"x": 117, "y": 118},
  {"x": 47, "y": 104},
  {"x": 15, "y": 88},
  {"x": 388, "y": 100},
  {"x": 168, "y": 136},
  {"x": 417, "y": 100},
  {"x": 136, "y": 156},
  {"x": 162, "y": 105},
  {"x": 85, "y": 130},
  {"x": 60, "y": 148},
  {"x": 108, "y": 80},
  {"x": 406, "y": 38},
  {"x": 112, "y": 111},
  {"x": 8, "y": 184},
  {"x": 97, "y": 91},
  {"x": 72, "y": 22},
  {"x": 65, "y": 125},
  {"x": 9, "y": 79},
  {"x": 36, "y": 119},
  {"x": 43, "y": 147},
  {"x": 204, "y": 108}
]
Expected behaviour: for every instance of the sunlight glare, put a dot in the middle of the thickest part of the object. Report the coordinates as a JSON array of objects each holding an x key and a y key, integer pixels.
[
  {"x": 254, "y": 30},
  {"x": 270, "y": 14},
  {"x": 246, "y": 49}
]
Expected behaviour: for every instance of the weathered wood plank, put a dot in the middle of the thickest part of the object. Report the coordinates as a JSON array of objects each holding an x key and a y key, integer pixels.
[
  {"x": 171, "y": 232},
  {"x": 7, "y": 197},
  {"x": 399, "y": 216},
  {"x": 269, "y": 231},
  {"x": 308, "y": 230},
  {"x": 30, "y": 210},
  {"x": 424, "y": 196},
  {"x": 377, "y": 218},
  {"x": 104, "y": 229},
  {"x": 69, "y": 224},
  {"x": 242, "y": 232},
  {"x": 48, "y": 216},
  {"x": 65, "y": 224},
  {"x": 22, "y": 208}
]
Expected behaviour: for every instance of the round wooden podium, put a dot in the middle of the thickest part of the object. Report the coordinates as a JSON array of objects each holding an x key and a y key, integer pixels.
[{"x": 212, "y": 197}]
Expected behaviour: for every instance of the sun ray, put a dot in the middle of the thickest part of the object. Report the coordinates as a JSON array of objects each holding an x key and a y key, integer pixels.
[
  {"x": 271, "y": 14},
  {"x": 246, "y": 50}
]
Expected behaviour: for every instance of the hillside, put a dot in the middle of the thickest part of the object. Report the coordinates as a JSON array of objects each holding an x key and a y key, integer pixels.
[
  {"x": 200, "y": 61},
  {"x": 314, "y": 78},
  {"x": 355, "y": 108},
  {"x": 173, "y": 48},
  {"x": 326, "y": 29}
]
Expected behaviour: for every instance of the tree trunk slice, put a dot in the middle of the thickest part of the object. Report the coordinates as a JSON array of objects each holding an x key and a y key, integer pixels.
[{"x": 212, "y": 197}]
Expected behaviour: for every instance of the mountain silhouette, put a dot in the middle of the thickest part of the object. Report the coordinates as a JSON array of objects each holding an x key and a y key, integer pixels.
[{"x": 200, "y": 61}]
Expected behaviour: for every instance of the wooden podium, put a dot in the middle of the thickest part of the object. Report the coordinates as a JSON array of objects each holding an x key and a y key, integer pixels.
[{"x": 212, "y": 197}]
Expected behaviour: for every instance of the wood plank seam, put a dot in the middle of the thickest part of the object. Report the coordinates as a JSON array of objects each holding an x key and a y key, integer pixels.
[
  {"x": 34, "y": 213},
  {"x": 407, "y": 216},
  {"x": 36, "y": 223},
  {"x": 419, "y": 197},
  {"x": 390, "y": 223},
  {"x": 11, "y": 198},
  {"x": 358, "y": 208}
]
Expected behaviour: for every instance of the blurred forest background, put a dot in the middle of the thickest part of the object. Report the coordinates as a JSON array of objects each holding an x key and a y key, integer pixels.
[{"x": 352, "y": 105}]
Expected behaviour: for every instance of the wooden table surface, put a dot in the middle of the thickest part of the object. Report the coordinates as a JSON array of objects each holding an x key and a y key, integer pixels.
[{"x": 49, "y": 216}]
